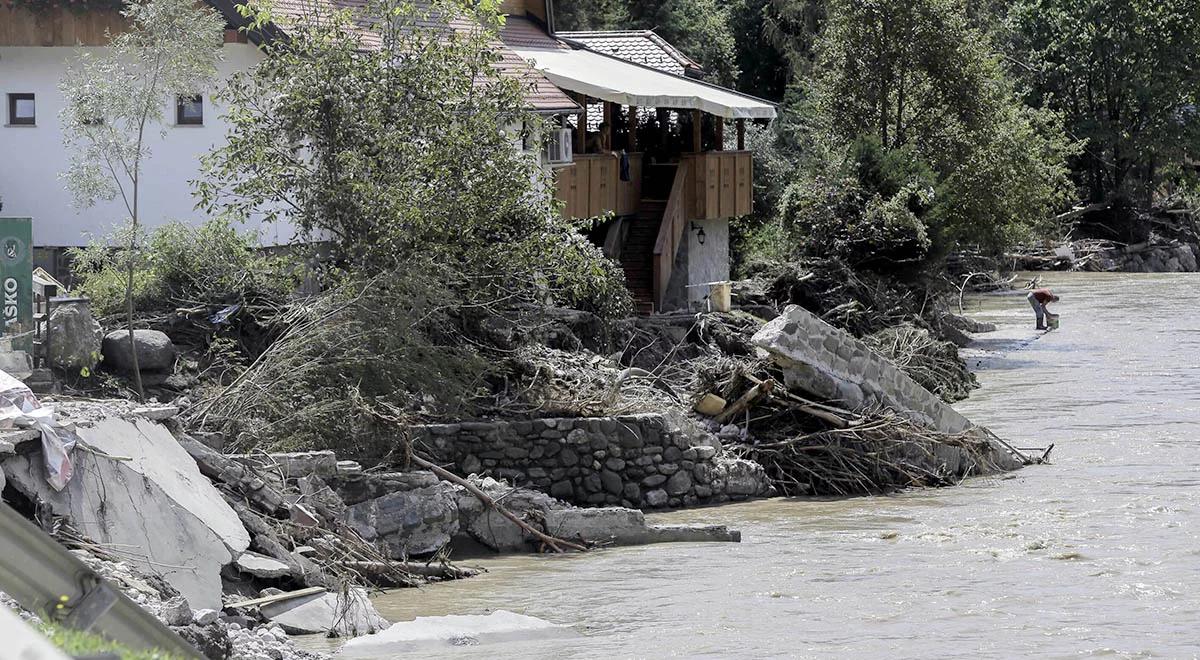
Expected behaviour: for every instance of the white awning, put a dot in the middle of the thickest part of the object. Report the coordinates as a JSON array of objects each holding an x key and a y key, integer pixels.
[{"x": 611, "y": 79}]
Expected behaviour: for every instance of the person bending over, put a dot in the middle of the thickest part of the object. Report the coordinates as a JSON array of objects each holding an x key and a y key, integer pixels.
[{"x": 1038, "y": 299}]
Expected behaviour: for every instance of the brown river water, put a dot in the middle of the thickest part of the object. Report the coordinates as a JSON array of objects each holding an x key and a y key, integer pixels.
[{"x": 1096, "y": 555}]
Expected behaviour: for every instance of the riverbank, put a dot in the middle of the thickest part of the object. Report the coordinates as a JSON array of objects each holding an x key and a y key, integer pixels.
[{"x": 1090, "y": 556}]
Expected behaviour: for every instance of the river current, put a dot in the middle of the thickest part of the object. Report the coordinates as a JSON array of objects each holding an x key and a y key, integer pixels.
[{"x": 1095, "y": 555}]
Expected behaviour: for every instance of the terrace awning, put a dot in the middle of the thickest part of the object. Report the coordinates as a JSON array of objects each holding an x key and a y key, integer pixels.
[{"x": 612, "y": 79}]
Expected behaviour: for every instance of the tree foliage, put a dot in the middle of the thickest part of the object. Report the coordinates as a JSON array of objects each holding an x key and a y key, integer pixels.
[
  {"x": 1123, "y": 75},
  {"x": 911, "y": 138},
  {"x": 392, "y": 140}
]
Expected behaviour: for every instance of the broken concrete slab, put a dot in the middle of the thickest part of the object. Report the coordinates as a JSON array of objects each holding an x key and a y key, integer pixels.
[
  {"x": 349, "y": 614},
  {"x": 610, "y": 525},
  {"x": 693, "y": 534},
  {"x": 824, "y": 361},
  {"x": 261, "y": 565},
  {"x": 429, "y": 632},
  {"x": 136, "y": 488},
  {"x": 292, "y": 465}
]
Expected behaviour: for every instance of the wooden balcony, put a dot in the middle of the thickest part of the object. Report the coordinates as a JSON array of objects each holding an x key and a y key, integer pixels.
[
  {"x": 720, "y": 185},
  {"x": 592, "y": 186}
]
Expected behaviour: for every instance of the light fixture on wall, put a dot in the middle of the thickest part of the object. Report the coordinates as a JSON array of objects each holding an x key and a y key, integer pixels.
[{"x": 699, "y": 232}]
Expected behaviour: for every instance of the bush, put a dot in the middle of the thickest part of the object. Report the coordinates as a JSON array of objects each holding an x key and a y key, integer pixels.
[{"x": 179, "y": 264}]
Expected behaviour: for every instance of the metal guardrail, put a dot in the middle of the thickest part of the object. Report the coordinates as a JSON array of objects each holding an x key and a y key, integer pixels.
[{"x": 42, "y": 575}]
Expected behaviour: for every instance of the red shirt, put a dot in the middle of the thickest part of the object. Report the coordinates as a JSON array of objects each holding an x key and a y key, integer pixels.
[{"x": 1043, "y": 295}]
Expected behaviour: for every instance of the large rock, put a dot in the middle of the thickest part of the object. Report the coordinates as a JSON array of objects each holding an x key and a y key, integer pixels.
[
  {"x": 741, "y": 478},
  {"x": 491, "y": 529},
  {"x": 350, "y": 613},
  {"x": 137, "y": 489},
  {"x": 73, "y": 337},
  {"x": 155, "y": 352},
  {"x": 414, "y": 522}
]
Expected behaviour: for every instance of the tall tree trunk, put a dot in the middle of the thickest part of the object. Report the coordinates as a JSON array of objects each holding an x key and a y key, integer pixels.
[{"x": 130, "y": 266}]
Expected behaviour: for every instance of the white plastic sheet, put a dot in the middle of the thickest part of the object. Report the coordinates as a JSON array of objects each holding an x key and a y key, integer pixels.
[{"x": 19, "y": 408}]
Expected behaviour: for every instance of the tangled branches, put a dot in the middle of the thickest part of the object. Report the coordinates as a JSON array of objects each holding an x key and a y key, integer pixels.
[
  {"x": 882, "y": 452},
  {"x": 932, "y": 363}
]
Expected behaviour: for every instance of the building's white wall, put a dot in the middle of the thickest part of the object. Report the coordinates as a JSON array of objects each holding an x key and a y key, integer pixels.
[
  {"x": 31, "y": 158},
  {"x": 708, "y": 262}
]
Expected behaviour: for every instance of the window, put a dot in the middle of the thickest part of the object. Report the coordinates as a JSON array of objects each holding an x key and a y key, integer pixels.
[
  {"x": 189, "y": 110},
  {"x": 21, "y": 110}
]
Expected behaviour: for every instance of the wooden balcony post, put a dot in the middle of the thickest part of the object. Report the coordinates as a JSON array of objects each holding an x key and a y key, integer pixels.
[
  {"x": 741, "y": 129},
  {"x": 697, "y": 136},
  {"x": 581, "y": 126},
  {"x": 607, "y": 136},
  {"x": 632, "y": 128},
  {"x": 720, "y": 133}
]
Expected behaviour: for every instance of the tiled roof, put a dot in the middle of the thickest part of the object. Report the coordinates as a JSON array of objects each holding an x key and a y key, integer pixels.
[
  {"x": 542, "y": 95},
  {"x": 638, "y": 46}
]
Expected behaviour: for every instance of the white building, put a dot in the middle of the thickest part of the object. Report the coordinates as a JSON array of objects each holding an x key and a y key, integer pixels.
[
  {"x": 633, "y": 75},
  {"x": 35, "y": 50}
]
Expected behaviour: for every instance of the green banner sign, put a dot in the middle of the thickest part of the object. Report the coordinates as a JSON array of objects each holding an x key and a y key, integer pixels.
[{"x": 16, "y": 279}]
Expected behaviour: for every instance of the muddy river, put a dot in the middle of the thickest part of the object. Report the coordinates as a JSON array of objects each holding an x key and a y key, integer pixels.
[{"x": 1095, "y": 555}]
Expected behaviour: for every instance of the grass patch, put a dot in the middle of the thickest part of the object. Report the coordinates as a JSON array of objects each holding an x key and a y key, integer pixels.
[{"x": 79, "y": 643}]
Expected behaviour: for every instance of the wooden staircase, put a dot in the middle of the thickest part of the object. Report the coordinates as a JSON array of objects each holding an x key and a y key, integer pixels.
[{"x": 637, "y": 254}]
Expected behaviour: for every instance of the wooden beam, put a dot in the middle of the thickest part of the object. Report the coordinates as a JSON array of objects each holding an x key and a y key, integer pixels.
[
  {"x": 632, "y": 125},
  {"x": 581, "y": 125},
  {"x": 697, "y": 136},
  {"x": 720, "y": 133},
  {"x": 741, "y": 129}
]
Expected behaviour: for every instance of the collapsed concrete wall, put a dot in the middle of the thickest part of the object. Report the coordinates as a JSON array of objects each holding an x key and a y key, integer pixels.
[
  {"x": 135, "y": 488},
  {"x": 640, "y": 461},
  {"x": 829, "y": 363}
]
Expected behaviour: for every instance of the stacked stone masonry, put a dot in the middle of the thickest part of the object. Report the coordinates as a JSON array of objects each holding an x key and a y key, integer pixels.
[
  {"x": 832, "y": 364},
  {"x": 637, "y": 461}
]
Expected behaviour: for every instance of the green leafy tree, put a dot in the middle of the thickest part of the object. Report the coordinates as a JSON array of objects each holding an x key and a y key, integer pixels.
[
  {"x": 917, "y": 75},
  {"x": 1123, "y": 75},
  {"x": 386, "y": 132},
  {"x": 115, "y": 101}
]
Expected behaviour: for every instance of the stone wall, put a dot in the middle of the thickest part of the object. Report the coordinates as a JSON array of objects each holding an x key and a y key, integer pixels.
[
  {"x": 639, "y": 461},
  {"x": 829, "y": 363}
]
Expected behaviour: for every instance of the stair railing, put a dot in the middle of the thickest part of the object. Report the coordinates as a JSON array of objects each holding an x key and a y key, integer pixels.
[{"x": 670, "y": 235}]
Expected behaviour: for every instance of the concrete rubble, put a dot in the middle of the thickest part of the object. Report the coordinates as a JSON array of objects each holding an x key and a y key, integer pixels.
[
  {"x": 443, "y": 632},
  {"x": 136, "y": 488},
  {"x": 343, "y": 614}
]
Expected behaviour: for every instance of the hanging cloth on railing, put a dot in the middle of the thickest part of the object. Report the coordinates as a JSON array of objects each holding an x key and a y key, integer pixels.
[{"x": 624, "y": 165}]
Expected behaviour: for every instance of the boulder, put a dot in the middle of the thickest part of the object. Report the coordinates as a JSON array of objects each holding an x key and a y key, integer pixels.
[
  {"x": 140, "y": 489},
  {"x": 415, "y": 522},
  {"x": 155, "y": 352},
  {"x": 742, "y": 478},
  {"x": 350, "y": 614},
  {"x": 491, "y": 529},
  {"x": 73, "y": 337}
]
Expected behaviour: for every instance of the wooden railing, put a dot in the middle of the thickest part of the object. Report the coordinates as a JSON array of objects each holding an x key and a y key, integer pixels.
[
  {"x": 592, "y": 186},
  {"x": 721, "y": 185},
  {"x": 670, "y": 233}
]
